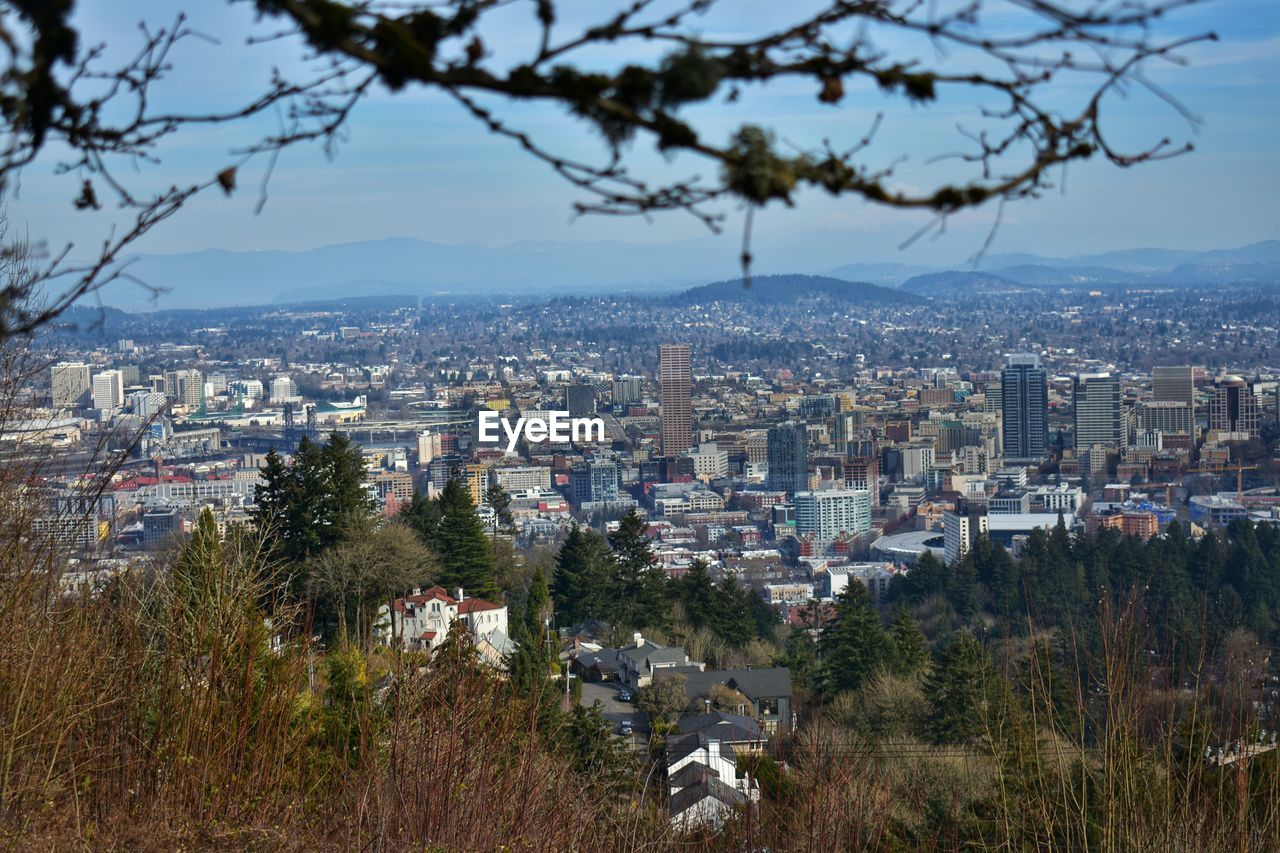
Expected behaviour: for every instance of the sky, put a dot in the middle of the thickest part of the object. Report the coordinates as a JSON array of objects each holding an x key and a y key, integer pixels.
[{"x": 414, "y": 165}]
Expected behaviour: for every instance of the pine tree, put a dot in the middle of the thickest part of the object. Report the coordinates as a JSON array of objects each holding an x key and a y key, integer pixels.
[
  {"x": 910, "y": 650},
  {"x": 927, "y": 577},
  {"x": 583, "y": 587},
  {"x": 422, "y": 514},
  {"x": 956, "y": 690},
  {"x": 962, "y": 588},
  {"x": 698, "y": 594},
  {"x": 801, "y": 658},
  {"x": 537, "y": 606},
  {"x": 463, "y": 545},
  {"x": 853, "y": 645},
  {"x": 640, "y": 584}
]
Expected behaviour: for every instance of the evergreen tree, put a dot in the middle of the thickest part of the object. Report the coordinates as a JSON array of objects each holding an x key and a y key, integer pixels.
[
  {"x": 537, "y": 606},
  {"x": 500, "y": 502},
  {"x": 910, "y": 650},
  {"x": 962, "y": 588},
  {"x": 463, "y": 544},
  {"x": 583, "y": 584},
  {"x": 422, "y": 514},
  {"x": 801, "y": 657},
  {"x": 640, "y": 584},
  {"x": 956, "y": 689},
  {"x": 853, "y": 645},
  {"x": 305, "y": 506},
  {"x": 698, "y": 594},
  {"x": 927, "y": 577}
]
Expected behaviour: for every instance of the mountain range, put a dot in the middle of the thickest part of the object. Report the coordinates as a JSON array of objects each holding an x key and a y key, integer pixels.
[
  {"x": 1254, "y": 264},
  {"x": 415, "y": 268}
]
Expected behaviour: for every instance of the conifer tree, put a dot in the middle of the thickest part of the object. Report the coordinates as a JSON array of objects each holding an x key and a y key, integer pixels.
[
  {"x": 583, "y": 584},
  {"x": 640, "y": 585},
  {"x": 462, "y": 544},
  {"x": 853, "y": 645},
  {"x": 910, "y": 650},
  {"x": 956, "y": 690},
  {"x": 698, "y": 594}
]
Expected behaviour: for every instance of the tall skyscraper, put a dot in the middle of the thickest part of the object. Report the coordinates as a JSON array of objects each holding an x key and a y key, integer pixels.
[
  {"x": 1233, "y": 407},
  {"x": 108, "y": 390},
  {"x": 1095, "y": 399},
  {"x": 788, "y": 450},
  {"x": 1174, "y": 385},
  {"x": 185, "y": 387},
  {"x": 675, "y": 380},
  {"x": 283, "y": 389},
  {"x": 580, "y": 399},
  {"x": 70, "y": 385},
  {"x": 834, "y": 513},
  {"x": 959, "y": 530},
  {"x": 627, "y": 389},
  {"x": 863, "y": 473},
  {"x": 1024, "y": 399},
  {"x": 1167, "y": 416}
]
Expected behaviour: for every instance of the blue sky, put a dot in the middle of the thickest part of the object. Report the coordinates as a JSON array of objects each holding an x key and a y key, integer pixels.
[{"x": 413, "y": 165}]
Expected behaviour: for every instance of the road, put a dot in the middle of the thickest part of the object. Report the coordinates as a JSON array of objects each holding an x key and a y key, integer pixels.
[{"x": 606, "y": 693}]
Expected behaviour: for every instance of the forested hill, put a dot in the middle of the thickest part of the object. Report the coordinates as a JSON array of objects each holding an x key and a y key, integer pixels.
[{"x": 786, "y": 289}]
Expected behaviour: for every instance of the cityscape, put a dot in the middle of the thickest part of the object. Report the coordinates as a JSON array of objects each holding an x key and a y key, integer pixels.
[{"x": 905, "y": 494}]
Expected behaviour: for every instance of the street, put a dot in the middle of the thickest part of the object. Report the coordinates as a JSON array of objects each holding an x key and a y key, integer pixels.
[{"x": 606, "y": 693}]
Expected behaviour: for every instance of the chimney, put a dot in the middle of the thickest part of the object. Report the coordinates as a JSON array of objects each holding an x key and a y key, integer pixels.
[
  {"x": 459, "y": 594},
  {"x": 638, "y": 638},
  {"x": 417, "y": 590}
]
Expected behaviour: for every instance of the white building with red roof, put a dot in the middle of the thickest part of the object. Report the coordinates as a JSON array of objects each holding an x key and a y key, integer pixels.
[{"x": 422, "y": 620}]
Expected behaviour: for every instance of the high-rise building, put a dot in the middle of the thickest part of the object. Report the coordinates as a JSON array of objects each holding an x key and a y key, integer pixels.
[
  {"x": 283, "y": 389},
  {"x": 476, "y": 479},
  {"x": 844, "y": 428},
  {"x": 958, "y": 533},
  {"x": 863, "y": 473},
  {"x": 992, "y": 398},
  {"x": 627, "y": 390},
  {"x": 108, "y": 390},
  {"x": 675, "y": 379},
  {"x": 580, "y": 400},
  {"x": 70, "y": 385},
  {"x": 788, "y": 451},
  {"x": 428, "y": 447},
  {"x": 595, "y": 481},
  {"x": 185, "y": 387},
  {"x": 709, "y": 461},
  {"x": 147, "y": 403},
  {"x": 524, "y": 477},
  {"x": 1168, "y": 416},
  {"x": 831, "y": 514},
  {"x": 1099, "y": 420},
  {"x": 1024, "y": 398},
  {"x": 1233, "y": 407},
  {"x": 1174, "y": 385}
]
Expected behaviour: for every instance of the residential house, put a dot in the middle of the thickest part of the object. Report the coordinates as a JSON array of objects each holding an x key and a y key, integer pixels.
[
  {"x": 766, "y": 693},
  {"x": 640, "y": 661},
  {"x": 422, "y": 620},
  {"x": 702, "y": 781}
]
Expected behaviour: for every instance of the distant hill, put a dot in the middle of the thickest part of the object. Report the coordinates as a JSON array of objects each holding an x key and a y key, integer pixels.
[
  {"x": 959, "y": 283},
  {"x": 885, "y": 275},
  {"x": 786, "y": 289},
  {"x": 1244, "y": 266},
  {"x": 1256, "y": 263}
]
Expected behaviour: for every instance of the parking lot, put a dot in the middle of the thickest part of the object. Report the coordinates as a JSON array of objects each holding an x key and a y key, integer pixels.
[{"x": 606, "y": 693}]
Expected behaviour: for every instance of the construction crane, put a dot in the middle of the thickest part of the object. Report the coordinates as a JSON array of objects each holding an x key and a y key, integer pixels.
[{"x": 1240, "y": 469}]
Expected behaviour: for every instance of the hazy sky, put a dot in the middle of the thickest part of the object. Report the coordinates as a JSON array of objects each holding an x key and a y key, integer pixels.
[{"x": 414, "y": 165}]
